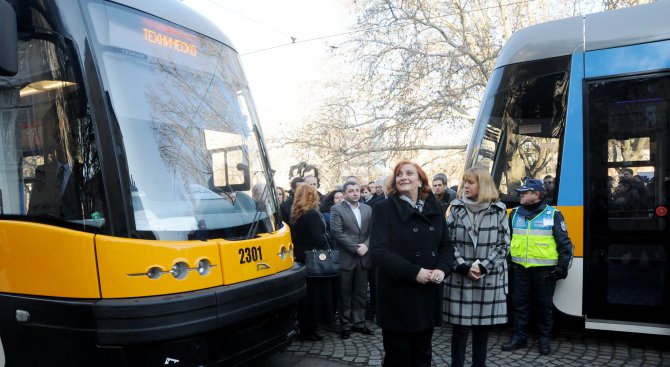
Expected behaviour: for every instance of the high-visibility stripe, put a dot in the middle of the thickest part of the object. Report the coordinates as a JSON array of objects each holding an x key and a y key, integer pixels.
[
  {"x": 541, "y": 232},
  {"x": 529, "y": 260}
]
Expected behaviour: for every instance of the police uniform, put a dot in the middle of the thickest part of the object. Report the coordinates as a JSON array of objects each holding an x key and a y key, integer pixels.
[{"x": 541, "y": 252}]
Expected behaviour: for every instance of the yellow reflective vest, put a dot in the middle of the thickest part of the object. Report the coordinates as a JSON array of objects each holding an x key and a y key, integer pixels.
[{"x": 533, "y": 241}]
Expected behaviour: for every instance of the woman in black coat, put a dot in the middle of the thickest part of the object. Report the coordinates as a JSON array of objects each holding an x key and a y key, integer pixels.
[
  {"x": 308, "y": 233},
  {"x": 409, "y": 246}
]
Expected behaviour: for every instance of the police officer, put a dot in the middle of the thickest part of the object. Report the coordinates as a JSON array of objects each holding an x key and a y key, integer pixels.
[{"x": 541, "y": 253}]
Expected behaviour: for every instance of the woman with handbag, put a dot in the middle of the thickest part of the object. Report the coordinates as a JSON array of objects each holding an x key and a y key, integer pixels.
[
  {"x": 409, "y": 246},
  {"x": 308, "y": 233},
  {"x": 476, "y": 291}
]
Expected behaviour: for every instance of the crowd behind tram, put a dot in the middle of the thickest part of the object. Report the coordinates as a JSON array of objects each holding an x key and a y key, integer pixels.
[{"x": 416, "y": 252}]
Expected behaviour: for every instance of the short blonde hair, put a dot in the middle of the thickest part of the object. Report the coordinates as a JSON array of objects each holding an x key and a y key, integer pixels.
[{"x": 487, "y": 188}]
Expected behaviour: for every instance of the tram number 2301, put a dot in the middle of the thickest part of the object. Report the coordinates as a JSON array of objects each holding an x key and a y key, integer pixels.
[{"x": 250, "y": 254}]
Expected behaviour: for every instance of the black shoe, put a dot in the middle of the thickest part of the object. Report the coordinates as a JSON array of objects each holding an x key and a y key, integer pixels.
[
  {"x": 513, "y": 345},
  {"x": 545, "y": 349},
  {"x": 363, "y": 330},
  {"x": 309, "y": 337},
  {"x": 345, "y": 334}
]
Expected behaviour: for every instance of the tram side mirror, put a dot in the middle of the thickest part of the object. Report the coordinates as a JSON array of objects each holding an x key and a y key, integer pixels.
[
  {"x": 9, "y": 42},
  {"x": 230, "y": 169}
]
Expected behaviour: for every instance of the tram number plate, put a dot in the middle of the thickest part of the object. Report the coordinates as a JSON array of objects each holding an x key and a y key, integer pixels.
[{"x": 250, "y": 254}]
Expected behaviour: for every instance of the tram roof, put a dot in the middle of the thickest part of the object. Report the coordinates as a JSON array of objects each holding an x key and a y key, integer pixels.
[
  {"x": 614, "y": 28},
  {"x": 178, "y": 13}
]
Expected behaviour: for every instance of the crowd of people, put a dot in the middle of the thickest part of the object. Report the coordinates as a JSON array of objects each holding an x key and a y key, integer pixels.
[{"x": 419, "y": 253}]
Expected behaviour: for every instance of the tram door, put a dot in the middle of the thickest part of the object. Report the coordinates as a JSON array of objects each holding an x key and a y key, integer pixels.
[{"x": 627, "y": 247}]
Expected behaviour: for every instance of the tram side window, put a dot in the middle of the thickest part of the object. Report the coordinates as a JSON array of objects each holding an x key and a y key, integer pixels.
[
  {"x": 526, "y": 120},
  {"x": 631, "y": 116},
  {"x": 49, "y": 166}
]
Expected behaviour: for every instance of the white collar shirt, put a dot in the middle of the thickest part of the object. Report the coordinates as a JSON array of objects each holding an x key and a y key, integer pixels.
[{"x": 357, "y": 212}]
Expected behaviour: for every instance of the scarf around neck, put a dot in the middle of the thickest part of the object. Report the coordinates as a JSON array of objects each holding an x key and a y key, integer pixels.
[
  {"x": 418, "y": 205},
  {"x": 475, "y": 211}
]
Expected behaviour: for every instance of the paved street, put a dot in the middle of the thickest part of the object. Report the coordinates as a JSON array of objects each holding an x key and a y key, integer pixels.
[{"x": 569, "y": 348}]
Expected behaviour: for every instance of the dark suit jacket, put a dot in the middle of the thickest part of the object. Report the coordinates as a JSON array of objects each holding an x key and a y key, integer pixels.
[{"x": 347, "y": 235}]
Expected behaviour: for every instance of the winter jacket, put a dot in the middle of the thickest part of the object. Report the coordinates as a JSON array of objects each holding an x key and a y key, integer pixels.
[
  {"x": 402, "y": 241},
  {"x": 481, "y": 302}
]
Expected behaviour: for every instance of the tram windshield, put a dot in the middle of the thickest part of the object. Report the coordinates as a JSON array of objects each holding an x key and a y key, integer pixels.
[
  {"x": 521, "y": 125},
  {"x": 189, "y": 129}
]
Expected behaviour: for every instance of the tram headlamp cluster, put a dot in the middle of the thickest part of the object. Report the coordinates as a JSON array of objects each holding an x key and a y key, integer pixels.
[
  {"x": 283, "y": 253},
  {"x": 179, "y": 270}
]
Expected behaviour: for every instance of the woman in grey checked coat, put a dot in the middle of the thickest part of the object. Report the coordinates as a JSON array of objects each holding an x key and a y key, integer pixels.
[{"x": 476, "y": 291}]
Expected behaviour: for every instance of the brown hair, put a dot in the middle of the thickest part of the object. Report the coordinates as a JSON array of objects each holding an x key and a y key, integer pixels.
[
  {"x": 424, "y": 190},
  {"x": 487, "y": 188},
  {"x": 305, "y": 199}
]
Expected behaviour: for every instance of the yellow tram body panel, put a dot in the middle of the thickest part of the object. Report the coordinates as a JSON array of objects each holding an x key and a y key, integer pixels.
[
  {"x": 44, "y": 260},
  {"x": 574, "y": 220},
  {"x": 125, "y": 264},
  {"x": 254, "y": 258}
]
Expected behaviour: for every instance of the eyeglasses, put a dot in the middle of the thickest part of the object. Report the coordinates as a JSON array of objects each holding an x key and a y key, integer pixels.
[{"x": 549, "y": 182}]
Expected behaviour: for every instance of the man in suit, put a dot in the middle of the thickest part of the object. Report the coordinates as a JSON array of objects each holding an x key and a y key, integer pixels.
[
  {"x": 377, "y": 190},
  {"x": 350, "y": 227}
]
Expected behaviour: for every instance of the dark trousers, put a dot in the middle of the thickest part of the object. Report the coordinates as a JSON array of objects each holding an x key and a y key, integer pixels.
[
  {"x": 532, "y": 287},
  {"x": 459, "y": 342},
  {"x": 407, "y": 349},
  {"x": 353, "y": 296},
  {"x": 372, "y": 280}
]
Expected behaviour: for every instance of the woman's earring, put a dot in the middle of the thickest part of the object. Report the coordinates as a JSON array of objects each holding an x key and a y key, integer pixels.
[{"x": 419, "y": 185}]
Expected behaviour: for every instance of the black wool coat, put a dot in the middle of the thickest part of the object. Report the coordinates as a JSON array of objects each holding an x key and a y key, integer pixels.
[
  {"x": 308, "y": 233},
  {"x": 402, "y": 241}
]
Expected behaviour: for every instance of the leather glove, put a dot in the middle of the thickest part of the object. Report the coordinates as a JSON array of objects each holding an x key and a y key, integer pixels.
[
  {"x": 463, "y": 269},
  {"x": 558, "y": 273}
]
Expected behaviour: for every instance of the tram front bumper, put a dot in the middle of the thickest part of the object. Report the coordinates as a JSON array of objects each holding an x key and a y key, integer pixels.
[{"x": 152, "y": 319}]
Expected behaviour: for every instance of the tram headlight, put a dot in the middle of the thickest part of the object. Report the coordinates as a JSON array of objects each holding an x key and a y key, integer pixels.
[
  {"x": 155, "y": 272},
  {"x": 204, "y": 267},
  {"x": 179, "y": 270},
  {"x": 283, "y": 253}
]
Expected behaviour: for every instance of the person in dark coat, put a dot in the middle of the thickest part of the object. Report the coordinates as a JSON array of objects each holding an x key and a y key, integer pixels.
[
  {"x": 285, "y": 207},
  {"x": 476, "y": 293},
  {"x": 308, "y": 232},
  {"x": 409, "y": 246},
  {"x": 443, "y": 193},
  {"x": 331, "y": 198}
]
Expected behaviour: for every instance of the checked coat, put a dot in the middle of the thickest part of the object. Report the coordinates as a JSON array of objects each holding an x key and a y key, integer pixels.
[{"x": 482, "y": 302}]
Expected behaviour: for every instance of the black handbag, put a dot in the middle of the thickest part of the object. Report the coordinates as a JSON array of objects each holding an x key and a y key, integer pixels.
[{"x": 322, "y": 263}]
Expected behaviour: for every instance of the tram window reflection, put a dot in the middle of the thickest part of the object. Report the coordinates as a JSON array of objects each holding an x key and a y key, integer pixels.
[{"x": 636, "y": 274}]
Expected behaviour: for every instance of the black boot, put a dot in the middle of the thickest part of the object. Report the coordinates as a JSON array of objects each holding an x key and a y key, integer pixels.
[{"x": 514, "y": 344}]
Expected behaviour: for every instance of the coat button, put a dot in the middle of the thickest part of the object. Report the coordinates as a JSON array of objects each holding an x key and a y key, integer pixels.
[
  {"x": 415, "y": 230},
  {"x": 433, "y": 253},
  {"x": 418, "y": 254},
  {"x": 431, "y": 228}
]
